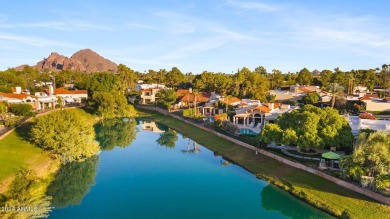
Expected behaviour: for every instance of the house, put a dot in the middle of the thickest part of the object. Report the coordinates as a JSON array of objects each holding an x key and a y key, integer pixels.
[
  {"x": 293, "y": 92},
  {"x": 148, "y": 92},
  {"x": 254, "y": 115},
  {"x": 373, "y": 103},
  {"x": 357, "y": 123},
  {"x": 69, "y": 96},
  {"x": 187, "y": 98}
]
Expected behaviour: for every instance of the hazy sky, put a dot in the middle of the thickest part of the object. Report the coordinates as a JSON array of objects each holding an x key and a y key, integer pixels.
[{"x": 213, "y": 35}]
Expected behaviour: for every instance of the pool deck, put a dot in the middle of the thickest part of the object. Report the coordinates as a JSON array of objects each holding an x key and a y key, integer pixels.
[{"x": 254, "y": 129}]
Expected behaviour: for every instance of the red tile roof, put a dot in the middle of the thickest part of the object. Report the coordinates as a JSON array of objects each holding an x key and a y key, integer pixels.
[
  {"x": 18, "y": 96},
  {"x": 263, "y": 109},
  {"x": 62, "y": 91},
  {"x": 306, "y": 90},
  {"x": 200, "y": 97},
  {"x": 387, "y": 99},
  {"x": 180, "y": 93},
  {"x": 79, "y": 91},
  {"x": 369, "y": 96}
]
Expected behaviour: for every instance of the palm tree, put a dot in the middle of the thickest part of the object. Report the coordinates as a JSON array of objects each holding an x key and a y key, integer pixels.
[
  {"x": 195, "y": 92},
  {"x": 334, "y": 89},
  {"x": 226, "y": 100}
]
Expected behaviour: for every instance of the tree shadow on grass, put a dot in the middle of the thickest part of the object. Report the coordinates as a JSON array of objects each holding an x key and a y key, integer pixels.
[{"x": 24, "y": 131}]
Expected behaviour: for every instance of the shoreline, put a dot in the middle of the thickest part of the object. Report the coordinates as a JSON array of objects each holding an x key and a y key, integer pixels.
[{"x": 306, "y": 191}]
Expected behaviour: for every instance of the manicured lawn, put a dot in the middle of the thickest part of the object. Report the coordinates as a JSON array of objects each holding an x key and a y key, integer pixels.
[
  {"x": 16, "y": 153},
  {"x": 311, "y": 188}
]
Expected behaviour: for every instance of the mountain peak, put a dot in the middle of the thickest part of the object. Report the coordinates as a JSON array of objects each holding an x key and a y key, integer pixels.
[{"x": 84, "y": 60}]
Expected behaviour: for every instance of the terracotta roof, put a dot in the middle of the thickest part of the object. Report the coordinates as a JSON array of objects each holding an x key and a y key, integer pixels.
[
  {"x": 18, "y": 96},
  {"x": 304, "y": 89},
  {"x": 62, "y": 91},
  {"x": 387, "y": 99},
  {"x": 369, "y": 96},
  {"x": 231, "y": 100},
  {"x": 79, "y": 91},
  {"x": 243, "y": 104},
  {"x": 180, "y": 93},
  {"x": 263, "y": 109},
  {"x": 200, "y": 97}
]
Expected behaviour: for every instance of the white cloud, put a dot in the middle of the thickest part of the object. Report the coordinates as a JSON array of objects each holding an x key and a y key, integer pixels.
[
  {"x": 34, "y": 41},
  {"x": 141, "y": 26},
  {"x": 249, "y": 5},
  {"x": 69, "y": 25}
]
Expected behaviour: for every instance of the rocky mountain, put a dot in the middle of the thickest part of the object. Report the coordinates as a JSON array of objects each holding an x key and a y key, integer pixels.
[{"x": 84, "y": 60}]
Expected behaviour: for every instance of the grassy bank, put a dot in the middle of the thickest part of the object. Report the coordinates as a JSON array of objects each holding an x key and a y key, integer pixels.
[
  {"x": 311, "y": 188},
  {"x": 16, "y": 153}
]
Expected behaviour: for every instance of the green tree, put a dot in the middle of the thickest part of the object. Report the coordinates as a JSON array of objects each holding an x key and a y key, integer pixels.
[
  {"x": 276, "y": 79},
  {"x": 247, "y": 84},
  {"x": 311, "y": 98},
  {"x": 372, "y": 153},
  {"x": 334, "y": 89},
  {"x": 261, "y": 70},
  {"x": 272, "y": 133},
  {"x": 22, "y": 109},
  {"x": 53, "y": 133},
  {"x": 9, "y": 80},
  {"x": 167, "y": 97},
  {"x": 102, "y": 82},
  {"x": 111, "y": 105},
  {"x": 326, "y": 78},
  {"x": 174, "y": 77},
  {"x": 289, "y": 137},
  {"x": 304, "y": 77},
  {"x": 127, "y": 77},
  {"x": 73, "y": 182},
  {"x": 313, "y": 127},
  {"x": 115, "y": 132},
  {"x": 168, "y": 138}
]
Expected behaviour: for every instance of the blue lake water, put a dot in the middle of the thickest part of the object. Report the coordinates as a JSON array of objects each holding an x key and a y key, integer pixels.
[{"x": 165, "y": 175}]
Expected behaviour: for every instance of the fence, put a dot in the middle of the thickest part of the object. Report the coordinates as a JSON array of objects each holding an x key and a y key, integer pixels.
[{"x": 335, "y": 180}]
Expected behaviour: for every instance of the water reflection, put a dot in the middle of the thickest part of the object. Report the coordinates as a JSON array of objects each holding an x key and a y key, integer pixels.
[
  {"x": 72, "y": 182},
  {"x": 194, "y": 150},
  {"x": 273, "y": 199},
  {"x": 25, "y": 198},
  {"x": 115, "y": 132},
  {"x": 168, "y": 138},
  {"x": 151, "y": 126}
]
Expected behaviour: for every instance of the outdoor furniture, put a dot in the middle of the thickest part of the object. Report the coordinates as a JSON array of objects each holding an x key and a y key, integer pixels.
[{"x": 330, "y": 160}]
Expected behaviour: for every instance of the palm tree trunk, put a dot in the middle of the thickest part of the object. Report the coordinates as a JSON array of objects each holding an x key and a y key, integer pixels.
[{"x": 333, "y": 100}]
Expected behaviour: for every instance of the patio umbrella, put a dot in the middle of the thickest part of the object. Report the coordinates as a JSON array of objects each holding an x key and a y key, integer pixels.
[{"x": 331, "y": 155}]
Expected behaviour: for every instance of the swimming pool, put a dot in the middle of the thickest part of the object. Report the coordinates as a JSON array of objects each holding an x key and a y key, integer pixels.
[{"x": 247, "y": 132}]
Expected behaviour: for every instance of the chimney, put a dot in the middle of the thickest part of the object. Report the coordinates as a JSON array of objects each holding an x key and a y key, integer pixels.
[
  {"x": 271, "y": 106},
  {"x": 190, "y": 90},
  {"x": 18, "y": 90},
  {"x": 51, "y": 90}
]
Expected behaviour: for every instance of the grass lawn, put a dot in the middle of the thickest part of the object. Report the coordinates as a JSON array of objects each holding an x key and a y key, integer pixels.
[
  {"x": 16, "y": 153},
  {"x": 309, "y": 187}
]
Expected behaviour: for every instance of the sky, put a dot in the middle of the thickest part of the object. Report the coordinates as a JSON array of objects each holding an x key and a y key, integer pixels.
[{"x": 200, "y": 35}]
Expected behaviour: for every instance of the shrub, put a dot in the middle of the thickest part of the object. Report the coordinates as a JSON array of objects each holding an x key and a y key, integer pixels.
[
  {"x": 21, "y": 109},
  {"x": 188, "y": 112},
  {"x": 229, "y": 127}
]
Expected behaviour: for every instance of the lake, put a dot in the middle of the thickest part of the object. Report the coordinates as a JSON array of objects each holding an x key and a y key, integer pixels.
[{"x": 148, "y": 171}]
